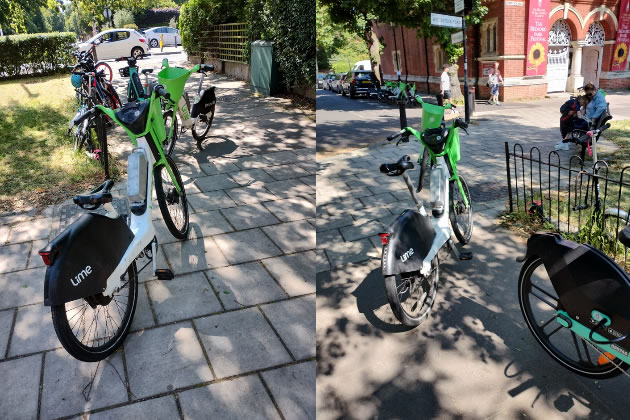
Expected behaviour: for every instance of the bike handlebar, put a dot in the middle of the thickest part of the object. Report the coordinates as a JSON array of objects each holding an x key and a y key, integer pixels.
[
  {"x": 160, "y": 91},
  {"x": 396, "y": 135}
]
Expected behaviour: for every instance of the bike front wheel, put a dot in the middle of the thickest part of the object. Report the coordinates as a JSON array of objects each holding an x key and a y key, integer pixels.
[
  {"x": 201, "y": 127},
  {"x": 460, "y": 215},
  {"x": 171, "y": 126},
  {"x": 92, "y": 328},
  {"x": 539, "y": 304},
  {"x": 411, "y": 295},
  {"x": 173, "y": 204}
]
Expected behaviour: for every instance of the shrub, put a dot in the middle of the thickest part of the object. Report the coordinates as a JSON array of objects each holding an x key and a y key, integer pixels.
[
  {"x": 131, "y": 26},
  {"x": 35, "y": 53},
  {"x": 156, "y": 17},
  {"x": 123, "y": 17}
]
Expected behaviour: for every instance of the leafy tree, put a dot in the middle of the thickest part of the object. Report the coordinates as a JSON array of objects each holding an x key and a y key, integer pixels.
[
  {"x": 13, "y": 13},
  {"x": 123, "y": 17},
  {"x": 198, "y": 15}
]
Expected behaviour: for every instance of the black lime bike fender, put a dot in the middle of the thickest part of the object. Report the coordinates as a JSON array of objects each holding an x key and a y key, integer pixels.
[
  {"x": 83, "y": 257},
  {"x": 410, "y": 239}
]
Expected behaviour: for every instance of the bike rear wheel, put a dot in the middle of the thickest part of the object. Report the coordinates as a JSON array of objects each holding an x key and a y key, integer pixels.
[
  {"x": 90, "y": 329},
  {"x": 106, "y": 69},
  {"x": 201, "y": 127},
  {"x": 173, "y": 205},
  {"x": 411, "y": 295},
  {"x": 461, "y": 216},
  {"x": 539, "y": 305}
]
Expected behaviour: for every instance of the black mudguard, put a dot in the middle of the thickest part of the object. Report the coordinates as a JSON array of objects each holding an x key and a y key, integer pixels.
[
  {"x": 203, "y": 105},
  {"x": 84, "y": 256},
  {"x": 410, "y": 239},
  {"x": 585, "y": 279}
]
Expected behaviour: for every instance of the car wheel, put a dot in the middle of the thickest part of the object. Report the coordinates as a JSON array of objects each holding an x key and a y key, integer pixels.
[
  {"x": 136, "y": 52},
  {"x": 343, "y": 91},
  {"x": 352, "y": 94},
  {"x": 154, "y": 43}
]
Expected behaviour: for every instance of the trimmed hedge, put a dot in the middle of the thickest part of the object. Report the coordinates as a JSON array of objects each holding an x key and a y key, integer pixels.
[
  {"x": 35, "y": 53},
  {"x": 156, "y": 17}
]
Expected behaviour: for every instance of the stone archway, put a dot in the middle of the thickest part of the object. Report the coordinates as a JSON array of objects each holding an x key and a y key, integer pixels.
[{"x": 558, "y": 56}]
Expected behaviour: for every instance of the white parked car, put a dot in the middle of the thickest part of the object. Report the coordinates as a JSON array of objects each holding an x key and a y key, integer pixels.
[
  {"x": 171, "y": 36},
  {"x": 116, "y": 43}
]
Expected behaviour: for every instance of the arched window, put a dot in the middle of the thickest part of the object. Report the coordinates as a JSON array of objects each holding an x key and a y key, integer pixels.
[{"x": 595, "y": 35}]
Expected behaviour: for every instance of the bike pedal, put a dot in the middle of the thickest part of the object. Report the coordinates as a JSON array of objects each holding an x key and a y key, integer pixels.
[
  {"x": 465, "y": 256},
  {"x": 164, "y": 274}
]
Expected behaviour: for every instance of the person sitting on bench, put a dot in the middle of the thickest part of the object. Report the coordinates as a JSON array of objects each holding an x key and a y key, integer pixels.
[{"x": 596, "y": 105}]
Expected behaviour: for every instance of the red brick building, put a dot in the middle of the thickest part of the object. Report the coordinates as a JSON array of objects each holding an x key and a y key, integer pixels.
[{"x": 581, "y": 45}]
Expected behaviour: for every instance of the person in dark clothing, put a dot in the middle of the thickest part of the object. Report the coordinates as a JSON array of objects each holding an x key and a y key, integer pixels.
[{"x": 571, "y": 118}]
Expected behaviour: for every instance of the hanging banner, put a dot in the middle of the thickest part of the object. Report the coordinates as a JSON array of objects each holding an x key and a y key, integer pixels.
[
  {"x": 622, "y": 43},
  {"x": 537, "y": 37}
]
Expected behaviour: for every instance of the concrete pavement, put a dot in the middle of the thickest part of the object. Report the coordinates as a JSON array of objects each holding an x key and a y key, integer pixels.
[
  {"x": 233, "y": 335},
  {"x": 474, "y": 357}
]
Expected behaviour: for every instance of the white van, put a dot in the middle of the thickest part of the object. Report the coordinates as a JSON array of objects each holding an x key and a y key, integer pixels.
[{"x": 363, "y": 65}]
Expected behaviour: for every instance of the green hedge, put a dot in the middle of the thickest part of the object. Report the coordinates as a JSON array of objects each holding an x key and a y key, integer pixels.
[{"x": 35, "y": 53}]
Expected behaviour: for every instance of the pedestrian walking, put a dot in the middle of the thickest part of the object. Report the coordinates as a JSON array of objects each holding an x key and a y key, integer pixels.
[
  {"x": 494, "y": 80},
  {"x": 445, "y": 84}
]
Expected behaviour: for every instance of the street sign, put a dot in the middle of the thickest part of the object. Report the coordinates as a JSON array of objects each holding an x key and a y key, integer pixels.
[
  {"x": 446, "y": 21},
  {"x": 459, "y": 5},
  {"x": 107, "y": 13},
  {"x": 457, "y": 37}
]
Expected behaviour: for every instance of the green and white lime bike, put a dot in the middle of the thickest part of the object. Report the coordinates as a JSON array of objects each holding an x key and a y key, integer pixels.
[
  {"x": 91, "y": 281},
  {"x": 412, "y": 242}
]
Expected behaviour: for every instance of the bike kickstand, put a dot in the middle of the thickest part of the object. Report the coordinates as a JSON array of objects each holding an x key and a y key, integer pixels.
[{"x": 462, "y": 256}]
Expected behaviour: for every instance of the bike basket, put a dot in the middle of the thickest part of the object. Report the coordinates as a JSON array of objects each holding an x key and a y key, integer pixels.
[
  {"x": 124, "y": 72},
  {"x": 174, "y": 79},
  {"x": 432, "y": 116}
]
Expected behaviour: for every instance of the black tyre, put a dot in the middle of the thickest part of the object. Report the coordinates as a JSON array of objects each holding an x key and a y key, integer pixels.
[
  {"x": 137, "y": 52},
  {"x": 343, "y": 91},
  {"x": 539, "y": 305},
  {"x": 411, "y": 295},
  {"x": 424, "y": 162},
  {"x": 352, "y": 94},
  {"x": 204, "y": 122},
  {"x": 154, "y": 43},
  {"x": 173, "y": 205},
  {"x": 172, "y": 127},
  {"x": 460, "y": 215},
  {"x": 91, "y": 329}
]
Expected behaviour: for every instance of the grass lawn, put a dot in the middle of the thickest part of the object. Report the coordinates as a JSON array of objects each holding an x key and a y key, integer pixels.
[
  {"x": 618, "y": 133},
  {"x": 38, "y": 164}
]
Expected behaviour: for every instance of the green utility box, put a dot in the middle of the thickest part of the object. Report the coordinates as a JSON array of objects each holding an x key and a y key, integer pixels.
[{"x": 265, "y": 78}]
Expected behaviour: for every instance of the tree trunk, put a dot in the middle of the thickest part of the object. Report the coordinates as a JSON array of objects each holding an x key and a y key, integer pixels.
[{"x": 456, "y": 90}]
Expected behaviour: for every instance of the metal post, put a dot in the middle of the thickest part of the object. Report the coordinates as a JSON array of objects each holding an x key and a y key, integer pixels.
[
  {"x": 509, "y": 178},
  {"x": 466, "y": 104},
  {"x": 401, "y": 104}
]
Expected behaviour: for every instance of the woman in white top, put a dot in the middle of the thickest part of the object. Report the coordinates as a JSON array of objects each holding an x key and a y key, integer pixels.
[
  {"x": 494, "y": 79},
  {"x": 445, "y": 84}
]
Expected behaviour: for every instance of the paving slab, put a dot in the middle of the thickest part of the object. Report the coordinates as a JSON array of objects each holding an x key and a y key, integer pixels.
[
  {"x": 360, "y": 231},
  {"x": 284, "y": 172},
  {"x": 143, "y": 318},
  {"x": 321, "y": 261},
  {"x": 252, "y": 162},
  {"x": 186, "y": 296},
  {"x": 240, "y": 398},
  {"x": 288, "y": 188},
  {"x": 341, "y": 253},
  {"x": 250, "y": 216},
  {"x": 281, "y": 158},
  {"x": 33, "y": 331},
  {"x": 22, "y": 288},
  {"x": 19, "y": 400},
  {"x": 255, "y": 193},
  {"x": 163, "y": 408},
  {"x": 210, "y": 200},
  {"x": 215, "y": 182},
  {"x": 295, "y": 273},
  {"x": 34, "y": 259},
  {"x": 213, "y": 168},
  {"x": 14, "y": 257},
  {"x": 378, "y": 199},
  {"x": 244, "y": 285},
  {"x": 293, "y": 389},
  {"x": 250, "y": 176},
  {"x": 29, "y": 231},
  {"x": 232, "y": 351},
  {"x": 205, "y": 223},
  {"x": 65, "y": 379},
  {"x": 195, "y": 254},
  {"x": 4, "y": 231},
  {"x": 294, "y": 320},
  {"x": 247, "y": 245},
  {"x": 6, "y": 321},
  {"x": 292, "y": 236},
  {"x": 290, "y": 209},
  {"x": 164, "y": 358}
]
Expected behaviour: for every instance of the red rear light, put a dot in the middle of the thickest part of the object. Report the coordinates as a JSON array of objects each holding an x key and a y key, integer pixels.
[
  {"x": 143, "y": 40},
  {"x": 46, "y": 257},
  {"x": 384, "y": 238}
]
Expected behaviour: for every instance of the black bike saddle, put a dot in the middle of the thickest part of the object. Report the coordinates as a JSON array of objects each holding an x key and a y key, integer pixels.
[
  {"x": 96, "y": 197},
  {"x": 396, "y": 169},
  {"x": 206, "y": 67},
  {"x": 146, "y": 71}
]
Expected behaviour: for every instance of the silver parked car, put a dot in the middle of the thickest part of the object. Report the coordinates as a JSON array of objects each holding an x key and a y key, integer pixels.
[{"x": 171, "y": 36}]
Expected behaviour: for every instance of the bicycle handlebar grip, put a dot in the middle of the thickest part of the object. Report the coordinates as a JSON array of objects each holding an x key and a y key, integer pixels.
[
  {"x": 160, "y": 91},
  {"x": 393, "y": 136}
]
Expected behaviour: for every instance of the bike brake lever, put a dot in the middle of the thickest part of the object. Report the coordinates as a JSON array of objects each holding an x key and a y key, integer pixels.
[{"x": 465, "y": 131}]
